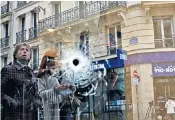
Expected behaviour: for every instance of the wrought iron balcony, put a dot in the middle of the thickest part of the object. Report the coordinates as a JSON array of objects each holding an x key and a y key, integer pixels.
[
  {"x": 100, "y": 6},
  {"x": 4, "y": 42},
  {"x": 21, "y": 36},
  {"x": 33, "y": 32},
  {"x": 4, "y": 9},
  {"x": 78, "y": 13},
  {"x": 21, "y": 3}
]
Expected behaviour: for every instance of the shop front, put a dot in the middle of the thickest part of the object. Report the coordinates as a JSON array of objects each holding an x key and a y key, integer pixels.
[
  {"x": 156, "y": 84},
  {"x": 164, "y": 84},
  {"x": 109, "y": 102}
]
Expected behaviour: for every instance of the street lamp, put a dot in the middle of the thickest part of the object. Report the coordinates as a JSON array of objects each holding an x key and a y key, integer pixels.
[{"x": 38, "y": 9}]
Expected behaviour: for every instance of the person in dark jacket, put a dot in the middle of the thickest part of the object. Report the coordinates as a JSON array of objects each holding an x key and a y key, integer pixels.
[{"x": 19, "y": 91}]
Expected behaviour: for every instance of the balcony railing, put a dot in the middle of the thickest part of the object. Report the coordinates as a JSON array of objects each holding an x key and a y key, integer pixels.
[
  {"x": 78, "y": 13},
  {"x": 33, "y": 32},
  {"x": 21, "y": 3},
  {"x": 4, "y": 42},
  {"x": 165, "y": 43},
  {"x": 4, "y": 9},
  {"x": 21, "y": 36}
]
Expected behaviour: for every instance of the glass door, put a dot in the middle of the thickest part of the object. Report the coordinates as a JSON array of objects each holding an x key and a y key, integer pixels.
[{"x": 163, "y": 89}]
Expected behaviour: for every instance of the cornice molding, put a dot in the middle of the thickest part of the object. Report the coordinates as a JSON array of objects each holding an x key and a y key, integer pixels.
[
  {"x": 134, "y": 7},
  {"x": 25, "y": 6},
  {"x": 153, "y": 3}
]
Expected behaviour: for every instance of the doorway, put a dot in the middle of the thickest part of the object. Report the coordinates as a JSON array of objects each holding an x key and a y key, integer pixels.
[{"x": 163, "y": 88}]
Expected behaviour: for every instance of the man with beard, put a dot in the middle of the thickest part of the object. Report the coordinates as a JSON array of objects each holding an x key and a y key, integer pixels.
[{"x": 19, "y": 91}]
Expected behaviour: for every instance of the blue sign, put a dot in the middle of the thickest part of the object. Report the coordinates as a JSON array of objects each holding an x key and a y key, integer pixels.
[
  {"x": 116, "y": 62},
  {"x": 133, "y": 40}
]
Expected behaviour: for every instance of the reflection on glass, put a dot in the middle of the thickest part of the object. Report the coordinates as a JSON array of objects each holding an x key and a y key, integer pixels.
[{"x": 157, "y": 29}]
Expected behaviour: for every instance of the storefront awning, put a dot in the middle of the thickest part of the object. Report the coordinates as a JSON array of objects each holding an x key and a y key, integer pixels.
[{"x": 116, "y": 62}]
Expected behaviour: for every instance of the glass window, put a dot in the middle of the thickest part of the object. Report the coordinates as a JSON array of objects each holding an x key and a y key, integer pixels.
[
  {"x": 23, "y": 23},
  {"x": 167, "y": 28},
  {"x": 35, "y": 58},
  {"x": 119, "y": 39},
  {"x": 84, "y": 43},
  {"x": 114, "y": 41},
  {"x": 163, "y": 91},
  {"x": 58, "y": 8},
  {"x": 163, "y": 32},
  {"x": 157, "y": 29},
  {"x": 116, "y": 94},
  {"x": 112, "y": 36},
  {"x": 5, "y": 30}
]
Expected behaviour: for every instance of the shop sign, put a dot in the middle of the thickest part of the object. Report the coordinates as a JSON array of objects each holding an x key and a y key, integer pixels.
[
  {"x": 116, "y": 62},
  {"x": 98, "y": 66},
  {"x": 163, "y": 69}
]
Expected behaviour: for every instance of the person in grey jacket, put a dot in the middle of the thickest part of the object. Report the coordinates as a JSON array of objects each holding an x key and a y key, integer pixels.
[{"x": 49, "y": 87}]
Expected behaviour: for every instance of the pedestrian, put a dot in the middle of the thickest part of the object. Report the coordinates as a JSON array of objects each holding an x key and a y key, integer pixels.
[
  {"x": 49, "y": 87},
  {"x": 19, "y": 98},
  {"x": 159, "y": 117},
  {"x": 170, "y": 106}
]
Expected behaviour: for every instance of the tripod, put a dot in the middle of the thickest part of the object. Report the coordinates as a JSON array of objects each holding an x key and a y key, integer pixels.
[{"x": 150, "y": 111}]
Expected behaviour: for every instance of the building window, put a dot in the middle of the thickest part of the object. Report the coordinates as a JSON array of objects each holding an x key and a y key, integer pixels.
[
  {"x": 114, "y": 39},
  {"x": 81, "y": 8},
  {"x": 35, "y": 58},
  {"x": 57, "y": 7},
  {"x": 5, "y": 29},
  {"x": 21, "y": 35},
  {"x": 84, "y": 43},
  {"x": 23, "y": 23},
  {"x": 163, "y": 32},
  {"x": 33, "y": 33},
  {"x": 5, "y": 35}
]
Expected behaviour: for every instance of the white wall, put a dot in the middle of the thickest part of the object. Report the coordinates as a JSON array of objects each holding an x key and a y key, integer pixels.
[{"x": 65, "y": 5}]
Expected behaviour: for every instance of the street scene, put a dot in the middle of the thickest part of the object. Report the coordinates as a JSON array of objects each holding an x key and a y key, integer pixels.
[{"x": 87, "y": 60}]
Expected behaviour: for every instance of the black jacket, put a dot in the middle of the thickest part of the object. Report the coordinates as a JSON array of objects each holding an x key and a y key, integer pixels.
[{"x": 19, "y": 93}]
